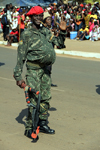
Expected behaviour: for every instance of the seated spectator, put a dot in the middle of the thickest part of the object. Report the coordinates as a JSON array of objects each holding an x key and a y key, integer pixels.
[
  {"x": 72, "y": 24},
  {"x": 86, "y": 17},
  {"x": 83, "y": 33},
  {"x": 93, "y": 15},
  {"x": 12, "y": 37},
  {"x": 95, "y": 31},
  {"x": 91, "y": 25},
  {"x": 78, "y": 21},
  {"x": 99, "y": 32}
]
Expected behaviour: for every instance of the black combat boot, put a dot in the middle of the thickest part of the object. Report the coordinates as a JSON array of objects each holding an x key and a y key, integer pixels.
[
  {"x": 28, "y": 134},
  {"x": 53, "y": 85},
  {"x": 45, "y": 128}
]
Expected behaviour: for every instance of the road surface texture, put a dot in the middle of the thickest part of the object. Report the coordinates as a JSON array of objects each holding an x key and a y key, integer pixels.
[{"x": 74, "y": 112}]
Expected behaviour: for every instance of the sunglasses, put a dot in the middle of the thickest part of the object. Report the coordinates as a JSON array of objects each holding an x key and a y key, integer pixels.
[{"x": 40, "y": 15}]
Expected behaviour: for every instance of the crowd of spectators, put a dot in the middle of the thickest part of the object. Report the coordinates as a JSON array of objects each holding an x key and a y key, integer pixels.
[{"x": 82, "y": 18}]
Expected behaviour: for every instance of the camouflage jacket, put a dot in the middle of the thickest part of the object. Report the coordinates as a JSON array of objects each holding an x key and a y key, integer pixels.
[{"x": 36, "y": 46}]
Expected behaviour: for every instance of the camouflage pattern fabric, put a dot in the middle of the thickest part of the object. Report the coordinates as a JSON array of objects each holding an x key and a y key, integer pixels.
[
  {"x": 39, "y": 79},
  {"x": 35, "y": 46}
]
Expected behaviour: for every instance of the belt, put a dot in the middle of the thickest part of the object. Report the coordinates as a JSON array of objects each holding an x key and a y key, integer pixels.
[{"x": 34, "y": 64}]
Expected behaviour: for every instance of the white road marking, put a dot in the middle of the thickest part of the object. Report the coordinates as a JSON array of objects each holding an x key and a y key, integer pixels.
[
  {"x": 7, "y": 79},
  {"x": 79, "y": 53},
  {"x": 57, "y": 89},
  {"x": 14, "y": 81}
]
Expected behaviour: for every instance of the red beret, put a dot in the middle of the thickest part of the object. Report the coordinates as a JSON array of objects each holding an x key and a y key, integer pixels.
[{"x": 35, "y": 11}]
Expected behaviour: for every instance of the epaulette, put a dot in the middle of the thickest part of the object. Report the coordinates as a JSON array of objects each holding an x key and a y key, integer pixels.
[{"x": 51, "y": 37}]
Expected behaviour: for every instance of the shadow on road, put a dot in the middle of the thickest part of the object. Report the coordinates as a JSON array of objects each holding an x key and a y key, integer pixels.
[
  {"x": 52, "y": 109},
  {"x": 1, "y": 64},
  {"x": 98, "y": 89},
  {"x": 22, "y": 114}
]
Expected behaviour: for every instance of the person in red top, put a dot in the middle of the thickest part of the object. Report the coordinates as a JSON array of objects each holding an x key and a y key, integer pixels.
[
  {"x": 21, "y": 19},
  {"x": 13, "y": 36}
]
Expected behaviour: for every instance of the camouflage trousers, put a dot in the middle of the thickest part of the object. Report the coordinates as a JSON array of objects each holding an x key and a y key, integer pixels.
[{"x": 38, "y": 79}]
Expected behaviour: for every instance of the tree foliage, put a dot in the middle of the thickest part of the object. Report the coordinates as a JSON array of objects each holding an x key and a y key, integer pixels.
[
  {"x": 80, "y": 1},
  {"x": 87, "y": 1}
]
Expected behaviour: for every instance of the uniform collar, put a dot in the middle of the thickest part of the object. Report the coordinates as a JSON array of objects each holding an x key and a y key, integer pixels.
[{"x": 35, "y": 30}]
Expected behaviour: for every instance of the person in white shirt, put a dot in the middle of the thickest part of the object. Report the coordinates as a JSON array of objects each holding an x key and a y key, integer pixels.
[
  {"x": 67, "y": 16},
  {"x": 9, "y": 13},
  {"x": 0, "y": 24},
  {"x": 14, "y": 17}
]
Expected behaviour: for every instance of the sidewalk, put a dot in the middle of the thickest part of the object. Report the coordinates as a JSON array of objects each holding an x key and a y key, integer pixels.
[{"x": 86, "y": 49}]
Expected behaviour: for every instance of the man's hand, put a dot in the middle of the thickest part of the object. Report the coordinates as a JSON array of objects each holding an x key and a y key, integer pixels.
[
  {"x": 19, "y": 83},
  {"x": 62, "y": 25}
]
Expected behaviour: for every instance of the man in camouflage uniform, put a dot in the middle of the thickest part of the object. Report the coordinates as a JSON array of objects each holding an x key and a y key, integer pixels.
[{"x": 35, "y": 47}]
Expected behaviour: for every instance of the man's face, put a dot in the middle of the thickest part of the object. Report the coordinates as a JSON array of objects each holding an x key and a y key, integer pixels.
[
  {"x": 36, "y": 19},
  {"x": 48, "y": 21},
  {"x": 93, "y": 12},
  {"x": 86, "y": 13},
  {"x": 14, "y": 30},
  {"x": 83, "y": 27},
  {"x": 10, "y": 5}
]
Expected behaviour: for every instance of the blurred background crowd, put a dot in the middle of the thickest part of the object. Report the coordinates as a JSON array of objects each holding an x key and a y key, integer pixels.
[{"x": 82, "y": 20}]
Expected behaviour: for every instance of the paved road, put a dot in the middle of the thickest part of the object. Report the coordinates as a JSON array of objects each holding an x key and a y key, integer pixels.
[{"x": 74, "y": 112}]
